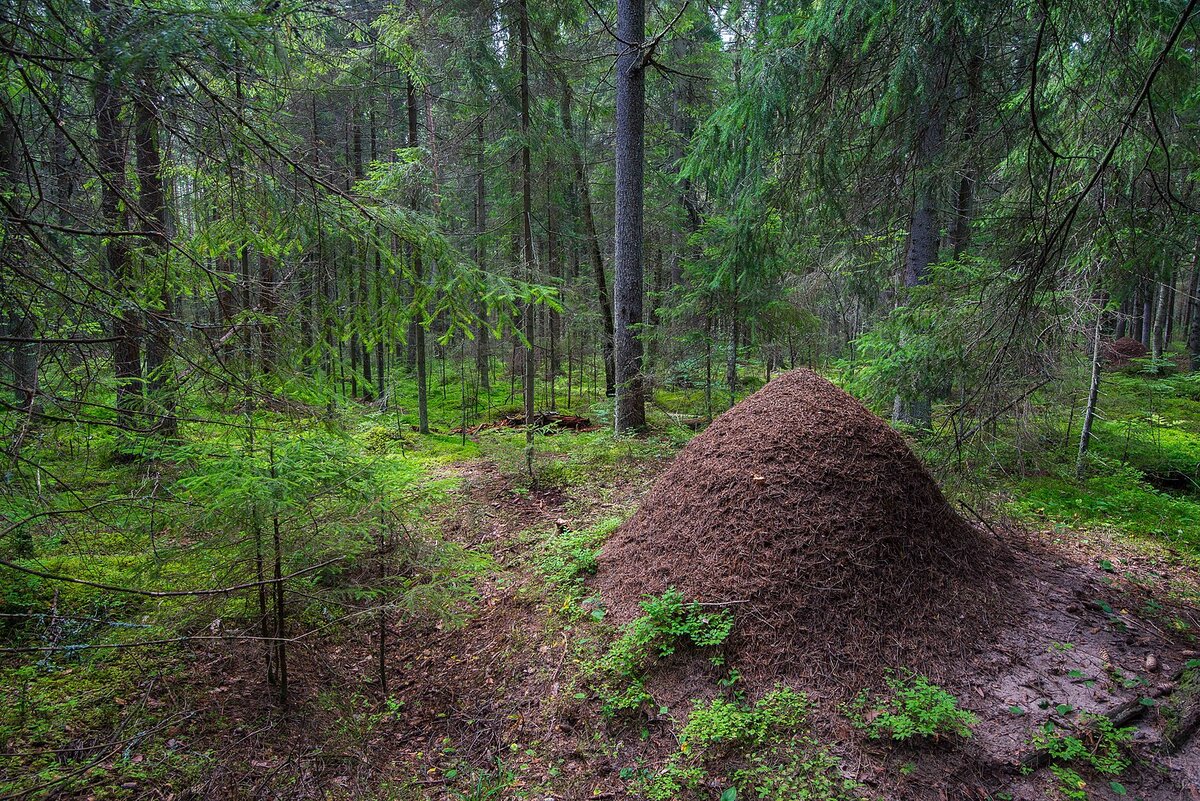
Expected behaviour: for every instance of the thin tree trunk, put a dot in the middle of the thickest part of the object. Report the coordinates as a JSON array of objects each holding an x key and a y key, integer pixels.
[
  {"x": 527, "y": 233},
  {"x": 418, "y": 328},
  {"x": 1161, "y": 310},
  {"x": 731, "y": 358},
  {"x": 1089, "y": 413},
  {"x": 482, "y": 358},
  {"x": 964, "y": 200},
  {"x": 1193, "y": 333},
  {"x": 603, "y": 299}
]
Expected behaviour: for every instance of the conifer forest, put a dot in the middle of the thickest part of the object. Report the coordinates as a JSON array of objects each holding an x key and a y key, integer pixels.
[{"x": 580, "y": 400}]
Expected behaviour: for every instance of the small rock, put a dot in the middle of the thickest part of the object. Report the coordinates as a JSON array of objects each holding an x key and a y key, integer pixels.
[{"x": 1151, "y": 663}]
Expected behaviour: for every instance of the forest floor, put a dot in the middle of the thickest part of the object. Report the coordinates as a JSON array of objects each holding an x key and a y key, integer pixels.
[
  {"x": 502, "y": 706},
  {"x": 506, "y": 697}
]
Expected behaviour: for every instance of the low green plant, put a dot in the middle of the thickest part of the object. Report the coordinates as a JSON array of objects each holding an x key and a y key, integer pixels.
[
  {"x": 487, "y": 785},
  {"x": 912, "y": 707},
  {"x": 670, "y": 622},
  {"x": 1094, "y": 742},
  {"x": 1070, "y": 784},
  {"x": 769, "y": 742},
  {"x": 567, "y": 557}
]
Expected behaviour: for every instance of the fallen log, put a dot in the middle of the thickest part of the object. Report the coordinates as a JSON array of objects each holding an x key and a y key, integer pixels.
[
  {"x": 1182, "y": 715},
  {"x": 1128, "y": 712},
  {"x": 544, "y": 420}
]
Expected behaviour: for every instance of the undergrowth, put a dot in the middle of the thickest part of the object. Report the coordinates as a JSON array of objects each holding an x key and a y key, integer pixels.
[
  {"x": 913, "y": 707},
  {"x": 1094, "y": 745},
  {"x": 670, "y": 623},
  {"x": 769, "y": 743}
]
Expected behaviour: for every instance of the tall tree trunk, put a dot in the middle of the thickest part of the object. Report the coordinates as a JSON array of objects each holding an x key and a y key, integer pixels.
[
  {"x": 482, "y": 357},
  {"x": 527, "y": 232},
  {"x": 731, "y": 356},
  {"x": 111, "y": 161},
  {"x": 964, "y": 199},
  {"x": 23, "y": 356},
  {"x": 630, "y": 414},
  {"x": 1193, "y": 310},
  {"x": 554, "y": 319},
  {"x": 1148, "y": 297},
  {"x": 1161, "y": 312},
  {"x": 1194, "y": 332},
  {"x": 361, "y": 269},
  {"x": 923, "y": 232},
  {"x": 380, "y": 344},
  {"x": 595, "y": 256},
  {"x": 418, "y": 328},
  {"x": 160, "y": 367}
]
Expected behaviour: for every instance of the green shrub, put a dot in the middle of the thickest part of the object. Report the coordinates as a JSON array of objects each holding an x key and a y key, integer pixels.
[
  {"x": 670, "y": 622},
  {"x": 769, "y": 742},
  {"x": 566, "y": 558},
  {"x": 1094, "y": 743},
  {"x": 913, "y": 707}
]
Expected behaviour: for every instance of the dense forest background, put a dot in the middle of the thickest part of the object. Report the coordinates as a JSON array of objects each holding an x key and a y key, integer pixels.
[{"x": 271, "y": 271}]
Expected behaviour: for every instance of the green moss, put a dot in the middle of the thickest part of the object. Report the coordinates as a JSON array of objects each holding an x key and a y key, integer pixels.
[{"x": 1118, "y": 499}]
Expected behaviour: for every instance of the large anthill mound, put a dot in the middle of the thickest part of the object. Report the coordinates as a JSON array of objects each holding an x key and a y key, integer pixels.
[
  {"x": 1122, "y": 352},
  {"x": 833, "y": 546}
]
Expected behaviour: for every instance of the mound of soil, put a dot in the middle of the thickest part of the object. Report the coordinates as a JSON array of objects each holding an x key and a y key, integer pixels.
[
  {"x": 811, "y": 518},
  {"x": 1121, "y": 352}
]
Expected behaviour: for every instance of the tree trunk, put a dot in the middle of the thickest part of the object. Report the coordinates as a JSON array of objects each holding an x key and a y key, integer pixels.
[
  {"x": 603, "y": 299},
  {"x": 630, "y": 414},
  {"x": 1148, "y": 297},
  {"x": 527, "y": 233},
  {"x": 1161, "y": 310},
  {"x": 482, "y": 358},
  {"x": 380, "y": 345},
  {"x": 418, "y": 328},
  {"x": 160, "y": 367},
  {"x": 964, "y": 199},
  {"x": 1193, "y": 333},
  {"x": 731, "y": 358},
  {"x": 110, "y": 159},
  {"x": 1089, "y": 413},
  {"x": 923, "y": 236},
  {"x": 554, "y": 319}
]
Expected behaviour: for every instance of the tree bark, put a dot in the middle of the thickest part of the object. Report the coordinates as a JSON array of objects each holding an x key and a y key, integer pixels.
[
  {"x": 923, "y": 233},
  {"x": 482, "y": 357},
  {"x": 595, "y": 256},
  {"x": 111, "y": 163},
  {"x": 527, "y": 231},
  {"x": 418, "y": 327},
  {"x": 630, "y": 412},
  {"x": 964, "y": 200},
  {"x": 1089, "y": 413},
  {"x": 160, "y": 366},
  {"x": 1193, "y": 334},
  {"x": 1161, "y": 312}
]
